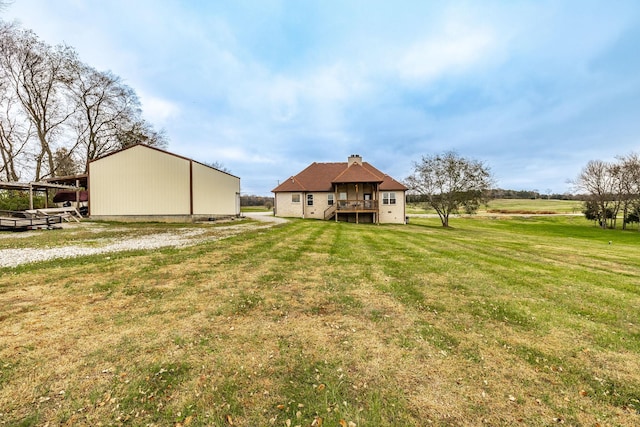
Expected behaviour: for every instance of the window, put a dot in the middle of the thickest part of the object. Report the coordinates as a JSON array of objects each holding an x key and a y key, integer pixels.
[
  {"x": 330, "y": 199},
  {"x": 342, "y": 199},
  {"x": 388, "y": 198},
  {"x": 309, "y": 199},
  {"x": 295, "y": 198}
]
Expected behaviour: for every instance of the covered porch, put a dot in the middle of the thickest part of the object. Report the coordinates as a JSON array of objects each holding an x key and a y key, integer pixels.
[{"x": 354, "y": 202}]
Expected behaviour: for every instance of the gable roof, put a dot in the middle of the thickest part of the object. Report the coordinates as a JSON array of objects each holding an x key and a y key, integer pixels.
[
  {"x": 322, "y": 176},
  {"x": 357, "y": 173}
]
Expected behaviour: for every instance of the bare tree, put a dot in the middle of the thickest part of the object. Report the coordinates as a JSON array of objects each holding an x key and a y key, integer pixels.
[
  {"x": 599, "y": 181},
  {"x": 449, "y": 182},
  {"x": 629, "y": 176},
  {"x": 11, "y": 143},
  {"x": 37, "y": 74},
  {"x": 105, "y": 109},
  {"x": 51, "y": 101},
  {"x": 14, "y": 137},
  {"x": 140, "y": 132},
  {"x": 218, "y": 165}
]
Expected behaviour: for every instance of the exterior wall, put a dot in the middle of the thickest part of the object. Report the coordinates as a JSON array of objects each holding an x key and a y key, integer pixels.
[
  {"x": 389, "y": 214},
  {"x": 139, "y": 181},
  {"x": 320, "y": 204},
  {"x": 214, "y": 192},
  {"x": 286, "y": 208},
  {"x": 393, "y": 214}
]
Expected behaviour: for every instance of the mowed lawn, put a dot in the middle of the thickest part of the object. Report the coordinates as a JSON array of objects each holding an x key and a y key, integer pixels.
[{"x": 493, "y": 322}]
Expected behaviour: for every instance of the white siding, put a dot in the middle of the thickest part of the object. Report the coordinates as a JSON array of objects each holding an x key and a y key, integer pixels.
[{"x": 214, "y": 192}]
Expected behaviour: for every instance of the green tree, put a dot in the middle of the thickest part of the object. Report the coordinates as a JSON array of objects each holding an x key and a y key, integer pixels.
[{"x": 449, "y": 183}]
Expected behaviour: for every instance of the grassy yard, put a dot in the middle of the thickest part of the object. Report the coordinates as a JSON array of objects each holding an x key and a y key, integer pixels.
[{"x": 494, "y": 322}]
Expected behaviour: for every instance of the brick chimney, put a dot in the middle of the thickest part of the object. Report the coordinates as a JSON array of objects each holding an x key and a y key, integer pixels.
[{"x": 355, "y": 158}]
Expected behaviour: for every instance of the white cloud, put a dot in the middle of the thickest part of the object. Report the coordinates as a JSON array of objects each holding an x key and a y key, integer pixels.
[
  {"x": 337, "y": 82},
  {"x": 283, "y": 98},
  {"x": 158, "y": 110},
  {"x": 239, "y": 154},
  {"x": 456, "y": 49}
]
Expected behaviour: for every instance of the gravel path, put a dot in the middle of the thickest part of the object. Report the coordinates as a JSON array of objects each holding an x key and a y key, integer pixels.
[
  {"x": 265, "y": 217},
  {"x": 174, "y": 238}
]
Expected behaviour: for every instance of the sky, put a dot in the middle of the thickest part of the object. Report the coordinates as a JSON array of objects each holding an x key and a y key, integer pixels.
[{"x": 534, "y": 89}]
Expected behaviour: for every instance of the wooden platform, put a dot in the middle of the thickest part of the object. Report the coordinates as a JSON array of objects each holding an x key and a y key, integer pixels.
[{"x": 66, "y": 213}]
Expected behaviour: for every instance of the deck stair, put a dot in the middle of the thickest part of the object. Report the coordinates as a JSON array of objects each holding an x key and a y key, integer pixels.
[{"x": 330, "y": 212}]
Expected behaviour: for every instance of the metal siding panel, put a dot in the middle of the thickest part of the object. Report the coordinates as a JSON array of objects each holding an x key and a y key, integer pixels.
[
  {"x": 140, "y": 181},
  {"x": 214, "y": 192}
]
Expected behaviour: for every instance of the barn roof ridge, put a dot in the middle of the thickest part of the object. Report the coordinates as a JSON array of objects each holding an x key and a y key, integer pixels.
[{"x": 161, "y": 151}]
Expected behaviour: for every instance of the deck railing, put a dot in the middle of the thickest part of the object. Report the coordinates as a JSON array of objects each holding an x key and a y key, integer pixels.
[{"x": 357, "y": 205}]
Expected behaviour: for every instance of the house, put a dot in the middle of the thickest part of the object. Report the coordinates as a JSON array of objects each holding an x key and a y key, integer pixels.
[
  {"x": 143, "y": 183},
  {"x": 352, "y": 191}
]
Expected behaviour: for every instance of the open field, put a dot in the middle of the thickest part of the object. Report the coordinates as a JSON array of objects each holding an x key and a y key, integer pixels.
[
  {"x": 530, "y": 321},
  {"x": 537, "y": 205},
  {"x": 517, "y": 206}
]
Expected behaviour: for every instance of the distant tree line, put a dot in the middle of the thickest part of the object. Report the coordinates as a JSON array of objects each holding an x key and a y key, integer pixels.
[
  {"x": 611, "y": 189},
  {"x": 500, "y": 193},
  {"x": 253, "y": 200},
  {"x": 58, "y": 113}
]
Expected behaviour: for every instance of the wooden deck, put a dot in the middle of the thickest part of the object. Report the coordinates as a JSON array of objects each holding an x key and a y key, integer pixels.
[
  {"x": 352, "y": 208},
  {"x": 357, "y": 206}
]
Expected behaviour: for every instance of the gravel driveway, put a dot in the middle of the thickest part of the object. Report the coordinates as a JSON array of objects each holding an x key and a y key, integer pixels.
[
  {"x": 170, "y": 238},
  {"x": 265, "y": 217}
]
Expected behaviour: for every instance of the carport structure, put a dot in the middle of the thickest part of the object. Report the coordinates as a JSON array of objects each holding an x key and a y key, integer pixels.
[
  {"x": 23, "y": 220},
  {"x": 33, "y": 187}
]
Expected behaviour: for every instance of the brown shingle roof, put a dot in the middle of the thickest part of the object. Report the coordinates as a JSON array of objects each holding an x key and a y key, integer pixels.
[
  {"x": 322, "y": 176},
  {"x": 356, "y": 173}
]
